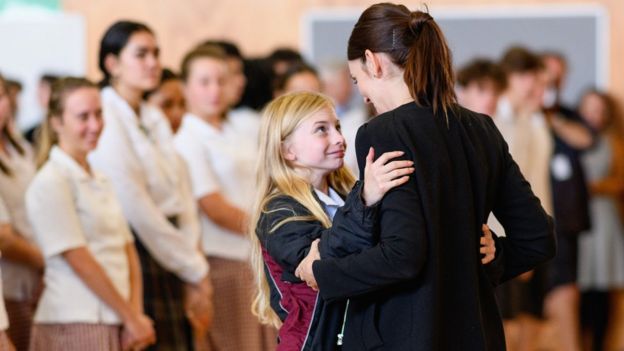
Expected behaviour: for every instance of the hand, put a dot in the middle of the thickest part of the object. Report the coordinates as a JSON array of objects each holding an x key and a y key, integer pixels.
[
  {"x": 199, "y": 306},
  {"x": 381, "y": 176},
  {"x": 488, "y": 245},
  {"x": 304, "y": 270},
  {"x": 138, "y": 333}
]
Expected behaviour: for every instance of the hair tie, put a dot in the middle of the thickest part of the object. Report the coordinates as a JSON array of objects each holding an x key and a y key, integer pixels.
[{"x": 416, "y": 20}]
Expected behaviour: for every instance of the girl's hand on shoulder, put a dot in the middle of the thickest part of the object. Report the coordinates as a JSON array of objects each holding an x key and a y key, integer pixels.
[{"x": 381, "y": 175}]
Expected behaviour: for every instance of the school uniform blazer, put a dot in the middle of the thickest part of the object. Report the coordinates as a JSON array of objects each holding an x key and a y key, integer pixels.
[
  {"x": 422, "y": 286},
  {"x": 309, "y": 323}
]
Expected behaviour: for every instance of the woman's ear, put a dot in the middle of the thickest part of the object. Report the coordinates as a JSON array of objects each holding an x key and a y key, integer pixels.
[
  {"x": 373, "y": 63},
  {"x": 111, "y": 63},
  {"x": 55, "y": 124}
]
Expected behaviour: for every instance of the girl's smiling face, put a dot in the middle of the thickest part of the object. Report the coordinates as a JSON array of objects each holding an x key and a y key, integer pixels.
[{"x": 317, "y": 144}]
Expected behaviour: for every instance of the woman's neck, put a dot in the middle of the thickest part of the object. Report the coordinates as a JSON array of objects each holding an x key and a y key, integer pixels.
[
  {"x": 78, "y": 156},
  {"x": 317, "y": 180},
  {"x": 131, "y": 95},
  {"x": 215, "y": 120}
]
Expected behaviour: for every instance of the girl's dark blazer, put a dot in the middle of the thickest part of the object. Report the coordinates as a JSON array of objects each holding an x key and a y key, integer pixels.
[
  {"x": 422, "y": 286},
  {"x": 309, "y": 323}
]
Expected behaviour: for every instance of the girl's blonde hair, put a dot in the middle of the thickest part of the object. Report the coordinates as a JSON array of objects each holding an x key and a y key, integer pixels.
[
  {"x": 46, "y": 137},
  {"x": 275, "y": 177}
]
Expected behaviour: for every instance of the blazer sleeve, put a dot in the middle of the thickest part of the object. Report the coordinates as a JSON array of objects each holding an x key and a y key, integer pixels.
[
  {"x": 529, "y": 231},
  {"x": 290, "y": 242},
  {"x": 400, "y": 253}
]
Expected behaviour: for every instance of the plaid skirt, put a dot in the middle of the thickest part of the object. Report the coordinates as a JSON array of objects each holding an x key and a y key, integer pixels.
[
  {"x": 163, "y": 302},
  {"x": 75, "y": 337},
  {"x": 20, "y": 322},
  {"x": 5, "y": 343},
  {"x": 235, "y": 327}
]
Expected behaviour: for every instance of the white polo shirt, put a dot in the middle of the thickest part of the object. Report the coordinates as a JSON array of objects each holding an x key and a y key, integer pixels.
[
  {"x": 219, "y": 161},
  {"x": 69, "y": 208},
  {"x": 137, "y": 154},
  {"x": 4, "y": 319},
  {"x": 20, "y": 281}
]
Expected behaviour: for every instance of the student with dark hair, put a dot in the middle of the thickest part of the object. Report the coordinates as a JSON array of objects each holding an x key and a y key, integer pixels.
[
  {"x": 479, "y": 84},
  {"x": 44, "y": 89},
  {"x": 169, "y": 98},
  {"x": 136, "y": 152},
  {"x": 298, "y": 77},
  {"x": 422, "y": 287},
  {"x": 22, "y": 262},
  {"x": 283, "y": 58},
  {"x": 221, "y": 157},
  {"x": 92, "y": 295}
]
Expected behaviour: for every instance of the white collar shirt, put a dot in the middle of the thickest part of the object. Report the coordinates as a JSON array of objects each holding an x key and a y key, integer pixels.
[
  {"x": 219, "y": 161},
  {"x": 20, "y": 281},
  {"x": 68, "y": 209},
  {"x": 138, "y": 156}
]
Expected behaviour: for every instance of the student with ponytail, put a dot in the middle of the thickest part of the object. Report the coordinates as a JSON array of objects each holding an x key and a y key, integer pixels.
[
  {"x": 136, "y": 152},
  {"x": 422, "y": 286},
  {"x": 92, "y": 298}
]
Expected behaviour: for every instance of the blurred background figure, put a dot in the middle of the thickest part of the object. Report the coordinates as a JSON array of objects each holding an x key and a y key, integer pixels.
[
  {"x": 523, "y": 125},
  {"x": 22, "y": 261},
  {"x": 261, "y": 74},
  {"x": 221, "y": 162},
  {"x": 14, "y": 88},
  {"x": 479, "y": 85},
  {"x": 298, "y": 77},
  {"x": 601, "y": 249},
  {"x": 169, "y": 97},
  {"x": 571, "y": 136},
  {"x": 246, "y": 119},
  {"x": 44, "y": 89},
  {"x": 338, "y": 85}
]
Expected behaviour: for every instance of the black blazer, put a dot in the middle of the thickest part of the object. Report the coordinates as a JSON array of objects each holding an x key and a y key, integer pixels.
[{"x": 422, "y": 287}]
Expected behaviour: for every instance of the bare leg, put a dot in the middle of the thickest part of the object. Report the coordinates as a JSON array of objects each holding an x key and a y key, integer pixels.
[
  {"x": 615, "y": 329},
  {"x": 562, "y": 308},
  {"x": 529, "y": 332}
]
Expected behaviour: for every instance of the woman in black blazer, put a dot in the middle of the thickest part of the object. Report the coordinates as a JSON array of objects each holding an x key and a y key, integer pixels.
[{"x": 422, "y": 287}]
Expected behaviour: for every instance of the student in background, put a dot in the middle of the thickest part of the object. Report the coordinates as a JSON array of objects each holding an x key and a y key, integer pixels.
[
  {"x": 601, "y": 249},
  {"x": 22, "y": 262},
  {"x": 5, "y": 236},
  {"x": 169, "y": 98},
  {"x": 44, "y": 89},
  {"x": 524, "y": 127},
  {"x": 136, "y": 152},
  {"x": 221, "y": 160},
  {"x": 92, "y": 276},
  {"x": 479, "y": 85},
  {"x": 570, "y": 204},
  {"x": 244, "y": 117},
  {"x": 298, "y": 77}
]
